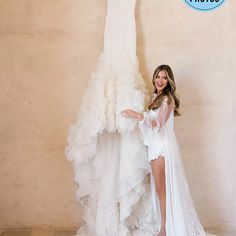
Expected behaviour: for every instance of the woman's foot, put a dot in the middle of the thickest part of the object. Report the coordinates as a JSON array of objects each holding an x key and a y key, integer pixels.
[{"x": 162, "y": 232}]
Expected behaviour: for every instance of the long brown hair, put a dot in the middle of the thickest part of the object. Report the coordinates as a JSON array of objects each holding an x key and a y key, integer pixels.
[{"x": 169, "y": 90}]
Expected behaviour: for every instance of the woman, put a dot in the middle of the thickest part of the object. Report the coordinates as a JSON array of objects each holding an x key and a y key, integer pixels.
[{"x": 177, "y": 213}]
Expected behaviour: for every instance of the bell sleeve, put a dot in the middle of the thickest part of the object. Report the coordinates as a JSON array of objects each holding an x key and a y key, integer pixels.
[{"x": 149, "y": 124}]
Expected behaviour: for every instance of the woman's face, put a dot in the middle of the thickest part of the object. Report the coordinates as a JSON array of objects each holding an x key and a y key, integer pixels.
[{"x": 161, "y": 80}]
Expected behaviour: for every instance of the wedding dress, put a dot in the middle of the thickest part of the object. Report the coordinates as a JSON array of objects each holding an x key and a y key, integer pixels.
[
  {"x": 111, "y": 163},
  {"x": 109, "y": 159}
]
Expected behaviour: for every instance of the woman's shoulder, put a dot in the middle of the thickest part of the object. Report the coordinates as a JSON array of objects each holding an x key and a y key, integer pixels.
[{"x": 168, "y": 100}]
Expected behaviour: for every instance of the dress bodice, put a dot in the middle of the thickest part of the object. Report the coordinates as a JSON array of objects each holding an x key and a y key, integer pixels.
[{"x": 120, "y": 30}]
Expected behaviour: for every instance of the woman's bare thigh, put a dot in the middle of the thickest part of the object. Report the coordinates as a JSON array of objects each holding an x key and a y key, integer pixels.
[{"x": 158, "y": 170}]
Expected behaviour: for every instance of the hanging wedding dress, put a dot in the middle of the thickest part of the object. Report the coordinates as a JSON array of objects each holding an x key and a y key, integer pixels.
[{"x": 110, "y": 160}]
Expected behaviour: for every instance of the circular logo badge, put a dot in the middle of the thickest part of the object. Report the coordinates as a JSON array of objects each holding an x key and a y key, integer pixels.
[{"x": 204, "y": 5}]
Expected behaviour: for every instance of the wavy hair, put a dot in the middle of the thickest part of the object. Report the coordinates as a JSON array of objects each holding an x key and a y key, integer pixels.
[{"x": 169, "y": 90}]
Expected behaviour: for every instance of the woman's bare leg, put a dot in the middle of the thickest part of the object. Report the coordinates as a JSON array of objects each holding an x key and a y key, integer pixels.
[{"x": 158, "y": 170}]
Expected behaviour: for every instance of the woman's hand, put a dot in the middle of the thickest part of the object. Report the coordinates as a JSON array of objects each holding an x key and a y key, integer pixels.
[{"x": 129, "y": 113}]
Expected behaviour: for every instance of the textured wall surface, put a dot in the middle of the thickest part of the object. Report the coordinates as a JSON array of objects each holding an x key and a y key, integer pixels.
[{"x": 48, "y": 50}]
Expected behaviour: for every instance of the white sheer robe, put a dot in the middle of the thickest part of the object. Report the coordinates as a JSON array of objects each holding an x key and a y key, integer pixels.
[{"x": 157, "y": 128}]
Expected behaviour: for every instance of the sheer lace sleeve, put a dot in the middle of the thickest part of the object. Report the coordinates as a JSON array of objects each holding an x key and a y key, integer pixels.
[{"x": 159, "y": 122}]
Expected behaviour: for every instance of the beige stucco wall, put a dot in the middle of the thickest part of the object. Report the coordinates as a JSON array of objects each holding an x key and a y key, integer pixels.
[{"x": 47, "y": 52}]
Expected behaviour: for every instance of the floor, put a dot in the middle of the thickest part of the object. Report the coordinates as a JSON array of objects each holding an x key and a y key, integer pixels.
[
  {"x": 37, "y": 233},
  {"x": 71, "y": 233}
]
